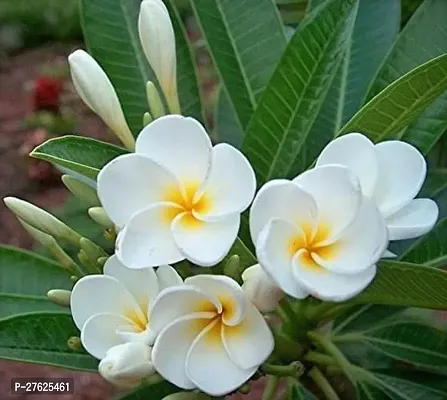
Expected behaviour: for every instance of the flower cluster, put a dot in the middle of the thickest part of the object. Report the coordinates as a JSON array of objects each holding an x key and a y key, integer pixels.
[{"x": 177, "y": 197}]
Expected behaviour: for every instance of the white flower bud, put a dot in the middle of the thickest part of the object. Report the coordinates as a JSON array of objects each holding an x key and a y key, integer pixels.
[
  {"x": 81, "y": 190},
  {"x": 41, "y": 220},
  {"x": 59, "y": 297},
  {"x": 98, "y": 215},
  {"x": 158, "y": 42},
  {"x": 126, "y": 365},
  {"x": 97, "y": 92},
  {"x": 260, "y": 289}
]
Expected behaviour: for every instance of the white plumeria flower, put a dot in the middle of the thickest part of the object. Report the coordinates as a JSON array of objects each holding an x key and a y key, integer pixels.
[
  {"x": 317, "y": 234},
  {"x": 177, "y": 197},
  {"x": 261, "y": 290},
  {"x": 209, "y": 336},
  {"x": 158, "y": 42},
  {"x": 113, "y": 308},
  {"x": 97, "y": 92},
  {"x": 126, "y": 365},
  {"x": 391, "y": 174}
]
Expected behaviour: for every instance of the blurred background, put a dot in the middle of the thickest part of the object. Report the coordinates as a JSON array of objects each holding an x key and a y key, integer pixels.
[{"x": 37, "y": 102}]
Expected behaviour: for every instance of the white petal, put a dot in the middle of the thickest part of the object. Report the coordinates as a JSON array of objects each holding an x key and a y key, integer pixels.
[
  {"x": 251, "y": 342},
  {"x": 130, "y": 183},
  {"x": 226, "y": 194},
  {"x": 172, "y": 345},
  {"x": 99, "y": 333},
  {"x": 168, "y": 276},
  {"x": 96, "y": 90},
  {"x": 178, "y": 301},
  {"x": 180, "y": 144},
  {"x": 141, "y": 283},
  {"x": 281, "y": 199},
  {"x": 205, "y": 243},
  {"x": 402, "y": 170},
  {"x": 358, "y": 247},
  {"x": 147, "y": 239},
  {"x": 327, "y": 285},
  {"x": 95, "y": 294},
  {"x": 261, "y": 290},
  {"x": 414, "y": 220},
  {"x": 336, "y": 191},
  {"x": 272, "y": 250},
  {"x": 228, "y": 292},
  {"x": 356, "y": 152},
  {"x": 209, "y": 366}
]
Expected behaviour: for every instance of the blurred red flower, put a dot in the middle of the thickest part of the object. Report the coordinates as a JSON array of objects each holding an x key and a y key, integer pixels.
[{"x": 47, "y": 93}]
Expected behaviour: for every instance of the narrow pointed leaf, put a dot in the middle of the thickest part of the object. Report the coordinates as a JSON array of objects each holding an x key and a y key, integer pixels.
[
  {"x": 42, "y": 338},
  {"x": 245, "y": 39},
  {"x": 80, "y": 154},
  {"x": 404, "y": 284},
  {"x": 293, "y": 97},
  {"x": 227, "y": 125},
  {"x": 25, "y": 280},
  {"x": 376, "y": 27},
  {"x": 424, "y": 37},
  {"x": 435, "y": 183},
  {"x": 402, "y": 102}
]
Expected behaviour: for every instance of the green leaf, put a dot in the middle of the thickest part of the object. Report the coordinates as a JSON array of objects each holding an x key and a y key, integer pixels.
[
  {"x": 42, "y": 338},
  {"x": 80, "y": 154},
  {"x": 404, "y": 284},
  {"x": 376, "y": 27},
  {"x": 227, "y": 126},
  {"x": 377, "y": 386},
  {"x": 156, "y": 391},
  {"x": 423, "y": 38},
  {"x": 402, "y": 102},
  {"x": 25, "y": 280},
  {"x": 416, "y": 344},
  {"x": 435, "y": 183},
  {"x": 362, "y": 317},
  {"x": 111, "y": 33},
  {"x": 293, "y": 97},
  {"x": 245, "y": 39}
]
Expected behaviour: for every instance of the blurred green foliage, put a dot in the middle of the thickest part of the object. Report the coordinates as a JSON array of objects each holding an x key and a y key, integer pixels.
[{"x": 28, "y": 23}]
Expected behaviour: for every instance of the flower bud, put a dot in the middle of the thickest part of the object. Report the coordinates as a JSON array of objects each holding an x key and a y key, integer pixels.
[
  {"x": 98, "y": 215},
  {"x": 260, "y": 289},
  {"x": 41, "y": 220},
  {"x": 126, "y": 365},
  {"x": 147, "y": 118},
  {"x": 97, "y": 92},
  {"x": 154, "y": 101},
  {"x": 59, "y": 297},
  {"x": 158, "y": 42},
  {"x": 74, "y": 343},
  {"x": 81, "y": 190}
]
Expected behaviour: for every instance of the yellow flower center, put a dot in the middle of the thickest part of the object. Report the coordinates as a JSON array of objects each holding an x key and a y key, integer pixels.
[
  {"x": 312, "y": 241},
  {"x": 139, "y": 321},
  {"x": 186, "y": 200}
]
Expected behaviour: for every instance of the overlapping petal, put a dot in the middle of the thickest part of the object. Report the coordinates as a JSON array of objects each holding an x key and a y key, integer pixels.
[
  {"x": 281, "y": 199},
  {"x": 180, "y": 144},
  {"x": 402, "y": 170},
  {"x": 328, "y": 285},
  {"x": 167, "y": 277},
  {"x": 414, "y": 220},
  {"x": 356, "y": 152},
  {"x": 147, "y": 239},
  {"x": 205, "y": 243},
  {"x": 230, "y": 184},
  {"x": 97, "y": 294},
  {"x": 130, "y": 183},
  {"x": 274, "y": 255},
  {"x": 209, "y": 366},
  {"x": 337, "y": 194}
]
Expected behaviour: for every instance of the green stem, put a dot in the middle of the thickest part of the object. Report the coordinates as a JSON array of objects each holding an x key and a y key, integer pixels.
[
  {"x": 319, "y": 358},
  {"x": 324, "y": 385},
  {"x": 286, "y": 348},
  {"x": 329, "y": 347},
  {"x": 270, "y": 389},
  {"x": 295, "y": 369},
  {"x": 346, "y": 338}
]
